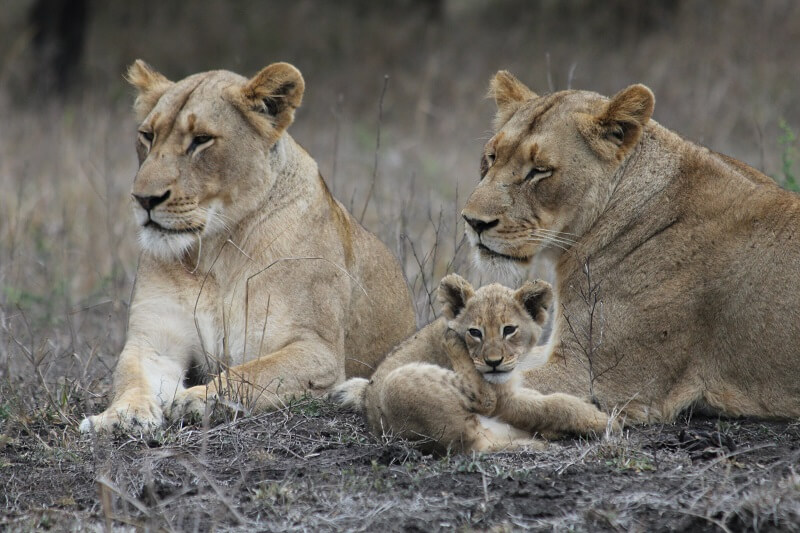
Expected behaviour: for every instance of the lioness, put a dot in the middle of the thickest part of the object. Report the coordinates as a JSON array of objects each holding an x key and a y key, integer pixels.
[
  {"x": 248, "y": 264},
  {"x": 676, "y": 266},
  {"x": 442, "y": 384}
]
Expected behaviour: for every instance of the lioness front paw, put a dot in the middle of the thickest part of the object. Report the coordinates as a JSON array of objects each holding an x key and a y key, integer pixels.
[
  {"x": 531, "y": 445},
  {"x": 192, "y": 403},
  {"x": 144, "y": 415}
]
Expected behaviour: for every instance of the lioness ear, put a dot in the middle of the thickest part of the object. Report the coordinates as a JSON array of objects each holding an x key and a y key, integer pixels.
[
  {"x": 625, "y": 116},
  {"x": 276, "y": 92},
  {"x": 535, "y": 297},
  {"x": 453, "y": 293},
  {"x": 509, "y": 93},
  {"x": 150, "y": 85}
]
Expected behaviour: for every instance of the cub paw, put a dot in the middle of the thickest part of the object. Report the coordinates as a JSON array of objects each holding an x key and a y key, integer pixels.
[
  {"x": 454, "y": 344},
  {"x": 596, "y": 422}
]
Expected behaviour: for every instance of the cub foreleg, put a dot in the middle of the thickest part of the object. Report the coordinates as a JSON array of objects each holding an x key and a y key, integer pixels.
[{"x": 552, "y": 415}]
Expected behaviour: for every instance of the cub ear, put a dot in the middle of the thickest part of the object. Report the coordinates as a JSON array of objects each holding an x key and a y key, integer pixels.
[
  {"x": 535, "y": 297},
  {"x": 275, "y": 92},
  {"x": 625, "y": 116},
  {"x": 453, "y": 293},
  {"x": 509, "y": 94},
  {"x": 151, "y": 86}
]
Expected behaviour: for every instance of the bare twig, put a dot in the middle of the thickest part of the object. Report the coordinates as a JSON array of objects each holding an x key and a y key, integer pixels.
[
  {"x": 377, "y": 149},
  {"x": 590, "y": 336}
]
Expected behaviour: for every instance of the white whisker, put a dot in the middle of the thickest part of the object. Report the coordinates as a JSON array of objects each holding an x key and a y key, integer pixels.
[
  {"x": 554, "y": 232},
  {"x": 199, "y": 252},
  {"x": 555, "y": 238},
  {"x": 545, "y": 238},
  {"x": 547, "y": 241},
  {"x": 240, "y": 250}
]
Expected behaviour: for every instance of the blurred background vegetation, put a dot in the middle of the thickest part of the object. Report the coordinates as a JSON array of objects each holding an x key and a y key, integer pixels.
[{"x": 725, "y": 74}]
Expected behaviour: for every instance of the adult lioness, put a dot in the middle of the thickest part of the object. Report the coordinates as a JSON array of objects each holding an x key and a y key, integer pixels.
[
  {"x": 248, "y": 263},
  {"x": 440, "y": 385},
  {"x": 676, "y": 266}
]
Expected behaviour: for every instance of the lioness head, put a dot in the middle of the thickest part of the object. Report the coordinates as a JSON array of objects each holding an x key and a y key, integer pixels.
[
  {"x": 498, "y": 325},
  {"x": 205, "y": 145},
  {"x": 550, "y": 169}
]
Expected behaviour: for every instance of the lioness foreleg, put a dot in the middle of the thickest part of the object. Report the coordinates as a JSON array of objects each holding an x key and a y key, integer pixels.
[
  {"x": 143, "y": 382},
  {"x": 268, "y": 382}
]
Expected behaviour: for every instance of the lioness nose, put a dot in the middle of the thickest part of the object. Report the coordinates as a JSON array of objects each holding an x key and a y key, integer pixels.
[
  {"x": 480, "y": 225},
  {"x": 149, "y": 202},
  {"x": 494, "y": 363}
]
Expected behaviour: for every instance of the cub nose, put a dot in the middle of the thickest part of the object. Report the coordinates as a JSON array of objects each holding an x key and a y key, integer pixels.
[
  {"x": 480, "y": 225},
  {"x": 494, "y": 363},
  {"x": 149, "y": 202}
]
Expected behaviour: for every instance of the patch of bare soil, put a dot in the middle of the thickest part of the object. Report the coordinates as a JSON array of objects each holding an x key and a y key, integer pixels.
[{"x": 311, "y": 467}]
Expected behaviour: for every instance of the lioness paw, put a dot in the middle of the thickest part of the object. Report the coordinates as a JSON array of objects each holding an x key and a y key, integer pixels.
[
  {"x": 144, "y": 417},
  {"x": 193, "y": 402},
  {"x": 531, "y": 445}
]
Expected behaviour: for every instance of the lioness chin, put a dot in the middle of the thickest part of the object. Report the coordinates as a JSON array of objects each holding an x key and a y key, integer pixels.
[
  {"x": 454, "y": 384},
  {"x": 250, "y": 269},
  {"x": 676, "y": 266}
]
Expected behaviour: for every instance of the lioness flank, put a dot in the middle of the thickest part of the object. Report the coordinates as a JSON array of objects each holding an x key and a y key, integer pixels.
[
  {"x": 677, "y": 267},
  {"x": 453, "y": 385},
  {"x": 250, "y": 269}
]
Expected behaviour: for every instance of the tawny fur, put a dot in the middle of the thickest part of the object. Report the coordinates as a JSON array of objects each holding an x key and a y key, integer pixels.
[
  {"x": 693, "y": 255},
  {"x": 438, "y": 387},
  {"x": 253, "y": 267}
]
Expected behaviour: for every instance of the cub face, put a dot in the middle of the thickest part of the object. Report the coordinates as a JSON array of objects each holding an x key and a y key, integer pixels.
[
  {"x": 204, "y": 145},
  {"x": 550, "y": 169},
  {"x": 498, "y": 325}
]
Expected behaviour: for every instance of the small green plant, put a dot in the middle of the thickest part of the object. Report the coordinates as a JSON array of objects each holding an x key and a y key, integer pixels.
[
  {"x": 788, "y": 143},
  {"x": 274, "y": 493},
  {"x": 308, "y": 406}
]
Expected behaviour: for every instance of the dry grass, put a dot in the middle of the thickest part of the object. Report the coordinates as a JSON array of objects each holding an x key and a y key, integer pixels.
[{"x": 68, "y": 256}]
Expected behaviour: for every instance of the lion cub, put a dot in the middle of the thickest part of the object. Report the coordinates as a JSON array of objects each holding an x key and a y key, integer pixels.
[{"x": 453, "y": 385}]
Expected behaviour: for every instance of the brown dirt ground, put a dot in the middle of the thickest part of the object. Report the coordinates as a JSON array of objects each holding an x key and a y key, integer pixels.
[{"x": 311, "y": 467}]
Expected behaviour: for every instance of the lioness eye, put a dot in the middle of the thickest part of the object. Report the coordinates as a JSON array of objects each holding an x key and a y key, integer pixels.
[
  {"x": 475, "y": 332},
  {"x": 147, "y": 136},
  {"x": 538, "y": 173},
  {"x": 199, "y": 140},
  {"x": 509, "y": 330}
]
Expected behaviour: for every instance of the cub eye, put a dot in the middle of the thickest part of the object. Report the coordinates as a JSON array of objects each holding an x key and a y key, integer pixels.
[
  {"x": 475, "y": 332},
  {"x": 538, "y": 173},
  {"x": 509, "y": 330},
  {"x": 198, "y": 141},
  {"x": 147, "y": 136}
]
